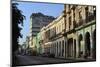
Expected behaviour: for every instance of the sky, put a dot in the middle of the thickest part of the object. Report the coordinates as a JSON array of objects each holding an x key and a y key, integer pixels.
[{"x": 28, "y": 8}]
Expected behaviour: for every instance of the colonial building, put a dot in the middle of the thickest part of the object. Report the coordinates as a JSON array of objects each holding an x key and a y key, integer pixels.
[
  {"x": 80, "y": 31},
  {"x": 72, "y": 34}
]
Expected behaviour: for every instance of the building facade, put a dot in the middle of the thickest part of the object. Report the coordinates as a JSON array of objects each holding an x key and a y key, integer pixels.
[
  {"x": 81, "y": 31},
  {"x": 72, "y": 34},
  {"x": 37, "y": 21}
]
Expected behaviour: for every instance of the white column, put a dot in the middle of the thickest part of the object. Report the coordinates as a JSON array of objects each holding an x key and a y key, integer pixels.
[
  {"x": 64, "y": 49},
  {"x": 57, "y": 49},
  {"x": 84, "y": 46},
  {"x": 77, "y": 47},
  {"x": 91, "y": 45}
]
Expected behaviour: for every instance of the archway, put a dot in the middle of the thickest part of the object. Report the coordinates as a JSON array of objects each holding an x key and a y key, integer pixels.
[
  {"x": 87, "y": 44},
  {"x": 62, "y": 48},
  {"x": 70, "y": 47},
  {"x": 57, "y": 48},
  {"x": 66, "y": 53},
  {"x": 94, "y": 44},
  {"x": 80, "y": 45}
]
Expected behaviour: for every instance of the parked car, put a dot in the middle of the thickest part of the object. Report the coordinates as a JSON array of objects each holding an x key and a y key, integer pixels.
[{"x": 51, "y": 55}]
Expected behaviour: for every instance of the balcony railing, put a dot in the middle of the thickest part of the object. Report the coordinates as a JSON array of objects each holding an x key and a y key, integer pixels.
[
  {"x": 84, "y": 21},
  {"x": 90, "y": 18}
]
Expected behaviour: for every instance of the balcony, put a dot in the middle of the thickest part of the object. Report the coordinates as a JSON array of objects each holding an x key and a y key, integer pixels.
[
  {"x": 80, "y": 22},
  {"x": 85, "y": 21},
  {"x": 90, "y": 18}
]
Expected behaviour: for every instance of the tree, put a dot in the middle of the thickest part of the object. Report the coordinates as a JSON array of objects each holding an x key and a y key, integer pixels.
[{"x": 17, "y": 18}]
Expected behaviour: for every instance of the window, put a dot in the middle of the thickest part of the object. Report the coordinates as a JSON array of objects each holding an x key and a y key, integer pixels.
[
  {"x": 69, "y": 21},
  {"x": 94, "y": 11},
  {"x": 86, "y": 12},
  {"x": 80, "y": 16}
]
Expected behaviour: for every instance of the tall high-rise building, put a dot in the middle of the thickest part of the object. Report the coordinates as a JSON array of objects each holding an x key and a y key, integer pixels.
[{"x": 37, "y": 21}]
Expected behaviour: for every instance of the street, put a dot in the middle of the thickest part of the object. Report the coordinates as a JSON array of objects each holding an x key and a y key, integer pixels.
[{"x": 36, "y": 60}]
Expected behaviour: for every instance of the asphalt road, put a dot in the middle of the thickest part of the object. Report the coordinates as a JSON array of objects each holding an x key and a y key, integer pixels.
[{"x": 37, "y": 60}]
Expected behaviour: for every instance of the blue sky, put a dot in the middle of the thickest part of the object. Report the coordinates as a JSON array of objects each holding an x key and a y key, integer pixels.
[{"x": 32, "y": 7}]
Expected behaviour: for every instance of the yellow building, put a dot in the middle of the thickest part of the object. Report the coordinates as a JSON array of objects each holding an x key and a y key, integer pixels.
[{"x": 73, "y": 33}]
